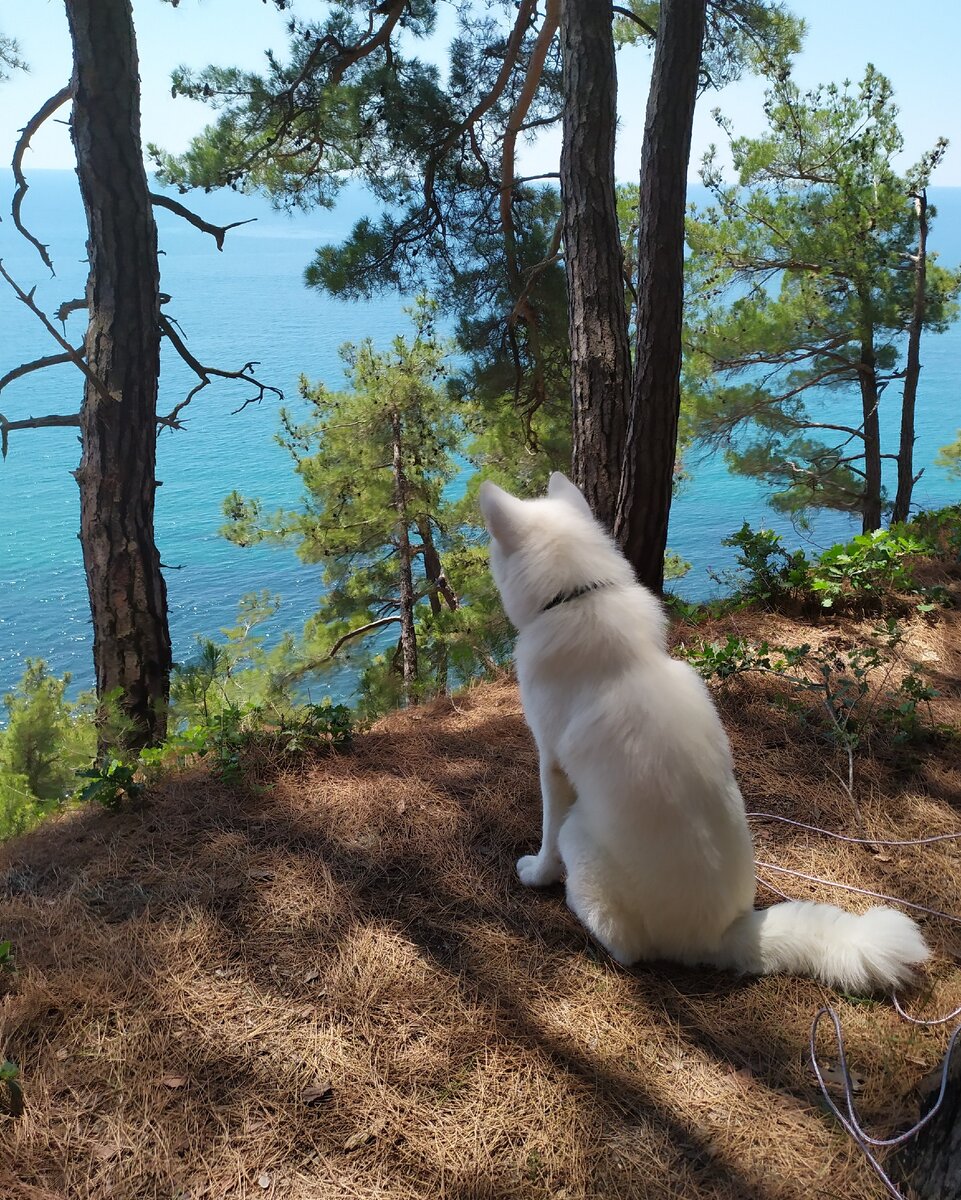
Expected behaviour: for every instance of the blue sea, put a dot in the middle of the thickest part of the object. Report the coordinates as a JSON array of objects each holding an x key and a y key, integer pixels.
[{"x": 249, "y": 302}]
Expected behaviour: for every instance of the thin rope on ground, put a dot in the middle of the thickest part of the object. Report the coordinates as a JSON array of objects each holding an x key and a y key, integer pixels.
[
  {"x": 847, "y": 887},
  {"x": 843, "y": 837},
  {"x": 917, "y": 1020},
  {"x": 850, "y": 1123},
  {"x": 777, "y": 891}
]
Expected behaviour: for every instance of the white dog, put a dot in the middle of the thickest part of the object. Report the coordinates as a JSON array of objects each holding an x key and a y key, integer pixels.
[{"x": 641, "y": 809}]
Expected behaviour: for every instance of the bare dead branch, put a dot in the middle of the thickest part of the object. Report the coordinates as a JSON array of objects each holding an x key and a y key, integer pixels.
[
  {"x": 204, "y": 374},
  {"x": 217, "y": 232},
  {"x": 68, "y": 307},
  {"x": 38, "y": 364},
  {"x": 77, "y": 359},
  {"x": 53, "y": 420},
  {"x": 46, "y": 110}
]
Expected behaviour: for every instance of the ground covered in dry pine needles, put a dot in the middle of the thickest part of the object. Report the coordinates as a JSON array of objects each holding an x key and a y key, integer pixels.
[{"x": 329, "y": 984}]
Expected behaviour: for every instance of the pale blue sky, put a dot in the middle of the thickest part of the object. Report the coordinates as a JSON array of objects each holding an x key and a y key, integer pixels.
[{"x": 918, "y": 51}]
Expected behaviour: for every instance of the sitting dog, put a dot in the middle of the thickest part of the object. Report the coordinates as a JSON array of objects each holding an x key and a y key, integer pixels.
[{"x": 641, "y": 811}]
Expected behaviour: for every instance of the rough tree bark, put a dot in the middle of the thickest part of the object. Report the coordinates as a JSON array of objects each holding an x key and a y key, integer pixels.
[
  {"x": 912, "y": 367},
  {"x": 647, "y": 479},
  {"x": 437, "y": 581},
  {"x": 870, "y": 425},
  {"x": 594, "y": 262},
  {"x": 408, "y": 634},
  {"x": 132, "y": 655}
]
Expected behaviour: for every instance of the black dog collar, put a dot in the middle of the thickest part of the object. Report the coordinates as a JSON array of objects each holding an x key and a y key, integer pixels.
[{"x": 563, "y": 597}]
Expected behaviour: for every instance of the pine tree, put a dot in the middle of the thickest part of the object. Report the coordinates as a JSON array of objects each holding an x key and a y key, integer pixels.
[
  {"x": 352, "y": 100},
  {"x": 375, "y": 460},
  {"x": 810, "y": 283}
]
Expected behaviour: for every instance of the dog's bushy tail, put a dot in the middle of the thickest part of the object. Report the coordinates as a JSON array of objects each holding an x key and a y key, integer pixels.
[{"x": 856, "y": 954}]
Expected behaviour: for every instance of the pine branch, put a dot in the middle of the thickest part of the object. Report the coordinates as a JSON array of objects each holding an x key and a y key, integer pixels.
[
  {"x": 315, "y": 663},
  {"x": 632, "y": 16},
  {"x": 217, "y": 232}
]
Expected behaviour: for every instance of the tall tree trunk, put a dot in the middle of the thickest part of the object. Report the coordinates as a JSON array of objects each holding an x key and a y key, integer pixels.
[
  {"x": 439, "y": 589},
  {"x": 437, "y": 580},
  {"x": 128, "y": 600},
  {"x": 408, "y": 635},
  {"x": 594, "y": 262},
  {"x": 870, "y": 402},
  {"x": 912, "y": 366},
  {"x": 647, "y": 480}
]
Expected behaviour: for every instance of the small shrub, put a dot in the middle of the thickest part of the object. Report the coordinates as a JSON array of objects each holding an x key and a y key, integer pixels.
[
  {"x": 692, "y": 613},
  {"x": 769, "y": 573},
  {"x": 318, "y": 726},
  {"x": 867, "y": 572},
  {"x": 228, "y": 733},
  {"x": 941, "y": 530},
  {"x": 868, "y": 569},
  {"x": 110, "y": 782}
]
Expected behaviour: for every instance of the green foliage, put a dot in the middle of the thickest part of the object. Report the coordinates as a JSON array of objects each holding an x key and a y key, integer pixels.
[
  {"x": 7, "y": 961},
  {"x": 869, "y": 571},
  {"x": 46, "y": 736},
  {"x": 941, "y": 530},
  {"x": 234, "y": 734},
  {"x": 746, "y": 35},
  {"x": 10, "y": 59},
  {"x": 226, "y": 702},
  {"x": 20, "y": 810},
  {"x": 801, "y": 294},
  {"x": 949, "y": 457},
  {"x": 770, "y": 573},
  {"x": 46, "y": 739},
  {"x": 376, "y": 462},
  {"x": 869, "y": 568},
  {"x": 691, "y": 612},
  {"x": 239, "y": 670},
  {"x": 110, "y": 782},
  {"x": 427, "y": 144},
  {"x": 10, "y": 1082},
  {"x": 738, "y": 657}
]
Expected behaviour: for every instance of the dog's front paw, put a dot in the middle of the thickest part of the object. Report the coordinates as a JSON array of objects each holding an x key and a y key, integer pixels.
[{"x": 534, "y": 871}]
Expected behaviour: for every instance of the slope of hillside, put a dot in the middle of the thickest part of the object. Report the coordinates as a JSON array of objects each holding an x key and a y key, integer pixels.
[{"x": 329, "y": 983}]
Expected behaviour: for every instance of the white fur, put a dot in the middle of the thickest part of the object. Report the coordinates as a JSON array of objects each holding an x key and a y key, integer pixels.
[{"x": 641, "y": 810}]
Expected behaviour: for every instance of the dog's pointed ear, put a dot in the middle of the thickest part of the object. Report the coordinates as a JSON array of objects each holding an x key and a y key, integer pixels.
[
  {"x": 503, "y": 514},
  {"x": 559, "y": 487}
]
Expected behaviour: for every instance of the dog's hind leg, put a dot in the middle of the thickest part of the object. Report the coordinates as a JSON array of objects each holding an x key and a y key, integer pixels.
[
  {"x": 591, "y": 898},
  {"x": 557, "y": 796}
]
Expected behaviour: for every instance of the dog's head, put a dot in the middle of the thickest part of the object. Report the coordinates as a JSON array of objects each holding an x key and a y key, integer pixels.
[{"x": 546, "y": 547}]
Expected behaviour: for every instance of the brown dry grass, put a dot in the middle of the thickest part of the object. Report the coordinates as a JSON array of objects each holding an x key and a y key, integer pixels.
[{"x": 331, "y": 984}]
